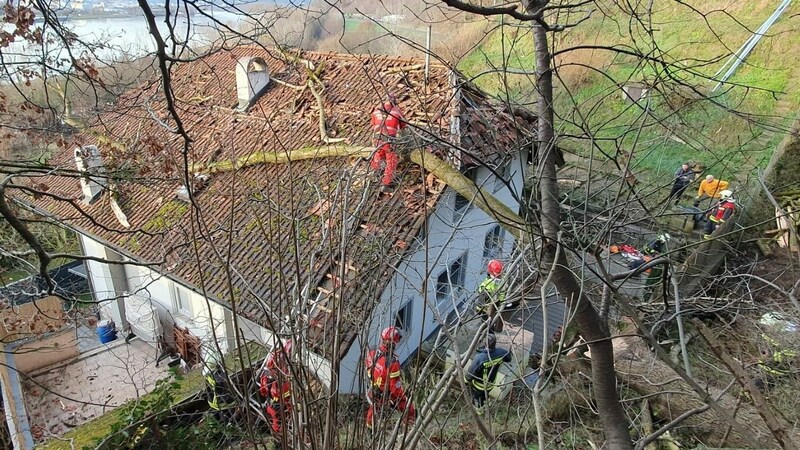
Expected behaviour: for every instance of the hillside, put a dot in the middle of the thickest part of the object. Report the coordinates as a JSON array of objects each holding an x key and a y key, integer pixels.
[{"x": 731, "y": 132}]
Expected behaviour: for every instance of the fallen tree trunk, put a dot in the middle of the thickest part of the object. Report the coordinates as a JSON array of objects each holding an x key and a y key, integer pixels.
[
  {"x": 441, "y": 169},
  {"x": 640, "y": 370}
]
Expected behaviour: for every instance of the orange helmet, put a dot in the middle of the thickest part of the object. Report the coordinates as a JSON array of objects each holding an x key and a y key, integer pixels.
[
  {"x": 391, "y": 334},
  {"x": 495, "y": 268}
]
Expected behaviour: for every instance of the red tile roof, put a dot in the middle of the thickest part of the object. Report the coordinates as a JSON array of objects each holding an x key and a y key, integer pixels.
[{"x": 260, "y": 237}]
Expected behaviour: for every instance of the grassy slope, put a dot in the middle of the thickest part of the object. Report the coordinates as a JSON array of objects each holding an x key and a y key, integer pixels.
[{"x": 726, "y": 143}]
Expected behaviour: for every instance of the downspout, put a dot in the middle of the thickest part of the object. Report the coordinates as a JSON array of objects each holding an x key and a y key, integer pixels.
[{"x": 14, "y": 404}]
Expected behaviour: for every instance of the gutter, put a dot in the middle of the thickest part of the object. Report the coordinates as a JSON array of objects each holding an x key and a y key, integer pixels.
[{"x": 16, "y": 415}]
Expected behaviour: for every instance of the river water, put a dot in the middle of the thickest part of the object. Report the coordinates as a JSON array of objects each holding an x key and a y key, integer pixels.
[
  {"x": 108, "y": 39},
  {"x": 131, "y": 35}
]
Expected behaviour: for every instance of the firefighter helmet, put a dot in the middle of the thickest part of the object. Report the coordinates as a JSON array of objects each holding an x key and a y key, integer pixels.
[
  {"x": 495, "y": 268},
  {"x": 725, "y": 195},
  {"x": 391, "y": 334}
]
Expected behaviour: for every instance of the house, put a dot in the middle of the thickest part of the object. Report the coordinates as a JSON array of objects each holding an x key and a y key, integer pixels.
[{"x": 304, "y": 248}]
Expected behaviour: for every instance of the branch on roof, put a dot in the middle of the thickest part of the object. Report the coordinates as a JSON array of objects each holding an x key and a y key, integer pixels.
[
  {"x": 488, "y": 203},
  {"x": 404, "y": 69},
  {"x": 321, "y": 106},
  {"x": 118, "y": 213},
  {"x": 105, "y": 141},
  {"x": 313, "y": 73},
  {"x": 281, "y": 157},
  {"x": 287, "y": 84},
  {"x": 296, "y": 58}
]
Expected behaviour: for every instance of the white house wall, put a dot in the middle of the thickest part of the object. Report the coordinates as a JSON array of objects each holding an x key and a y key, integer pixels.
[
  {"x": 98, "y": 272},
  {"x": 446, "y": 239},
  {"x": 198, "y": 316}
]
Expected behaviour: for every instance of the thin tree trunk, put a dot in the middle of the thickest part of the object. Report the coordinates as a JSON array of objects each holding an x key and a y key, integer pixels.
[{"x": 593, "y": 330}]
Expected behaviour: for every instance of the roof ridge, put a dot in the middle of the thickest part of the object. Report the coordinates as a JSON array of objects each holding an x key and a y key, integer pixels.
[{"x": 347, "y": 56}]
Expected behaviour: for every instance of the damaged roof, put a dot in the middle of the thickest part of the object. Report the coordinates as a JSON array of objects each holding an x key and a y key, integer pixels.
[{"x": 266, "y": 238}]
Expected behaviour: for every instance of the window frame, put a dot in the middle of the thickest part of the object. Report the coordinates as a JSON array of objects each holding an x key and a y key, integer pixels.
[
  {"x": 503, "y": 169},
  {"x": 460, "y": 210},
  {"x": 452, "y": 287},
  {"x": 493, "y": 243},
  {"x": 180, "y": 307},
  {"x": 404, "y": 317}
]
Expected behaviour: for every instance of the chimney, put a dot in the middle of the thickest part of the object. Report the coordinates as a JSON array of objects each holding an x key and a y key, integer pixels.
[
  {"x": 252, "y": 77},
  {"x": 90, "y": 165}
]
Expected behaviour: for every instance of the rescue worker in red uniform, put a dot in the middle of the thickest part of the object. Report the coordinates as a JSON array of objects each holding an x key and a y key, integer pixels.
[
  {"x": 720, "y": 213},
  {"x": 276, "y": 365},
  {"x": 279, "y": 405},
  {"x": 383, "y": 372},
  {"x": 386, "y": 121}
]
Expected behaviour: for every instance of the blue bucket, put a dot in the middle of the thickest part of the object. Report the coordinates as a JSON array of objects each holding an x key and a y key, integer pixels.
[{"x": 106, "y": 331}]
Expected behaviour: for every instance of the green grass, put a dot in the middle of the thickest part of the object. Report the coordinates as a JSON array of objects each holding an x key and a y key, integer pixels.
[
  {"x": 715, "y": 137},
  {"x": 12, "y": 275}
]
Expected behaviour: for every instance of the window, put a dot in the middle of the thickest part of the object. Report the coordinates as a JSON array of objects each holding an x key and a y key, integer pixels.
[
  {"x": 403, "y": 318},
  {"x": 462, "y": 204},
  {"x": 493, "y": 243},
  {"x": 450, "y": 283},
  {"x": 460, "y": 207},
  {"x": 502, "y": 171},
  {"x": 183, "y": 301}
]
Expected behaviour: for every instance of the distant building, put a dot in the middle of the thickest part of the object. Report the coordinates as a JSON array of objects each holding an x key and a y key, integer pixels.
[{"x": 393, "y": 18}]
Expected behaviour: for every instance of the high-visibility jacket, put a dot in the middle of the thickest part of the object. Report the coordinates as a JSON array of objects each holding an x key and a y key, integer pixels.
[
  {"x": 485, "y": 366},
  {"x": 722, "y": 211},
  {"x": 712, "y": 188},
  {"x": 383, "y": 372},
  {"x": 218, "y": 395},
  {"x": 780, "y": 359},
  {"x": 387, "y": 120},
  {"x": 491, "y": 287}
]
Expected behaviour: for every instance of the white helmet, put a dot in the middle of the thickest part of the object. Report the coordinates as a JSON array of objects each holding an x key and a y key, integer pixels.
[
  {"x": 726, "y": 194},
  {"x": 664, "y": 237}
]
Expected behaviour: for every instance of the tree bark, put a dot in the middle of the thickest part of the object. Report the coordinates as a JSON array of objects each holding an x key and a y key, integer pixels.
[
  {"x": 776, "y": 424},
  {"x": 671, "y": 397},
  {"x": 587, "y": 319}
]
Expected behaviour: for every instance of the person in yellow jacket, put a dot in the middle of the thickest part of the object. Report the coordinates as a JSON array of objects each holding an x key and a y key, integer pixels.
[
  {"x": 778, "y": 361},
  {"x": 711, "y": 188},
  {"x": 492, "y": 294}
]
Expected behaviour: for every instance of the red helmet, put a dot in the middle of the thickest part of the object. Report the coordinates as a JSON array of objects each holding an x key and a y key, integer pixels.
[
  {"x": 391, "y": 334},
  {"x": 495, "y": 268}
]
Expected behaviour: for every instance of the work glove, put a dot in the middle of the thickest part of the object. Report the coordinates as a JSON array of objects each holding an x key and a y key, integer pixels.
[{"x": 696, "y": 202}]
